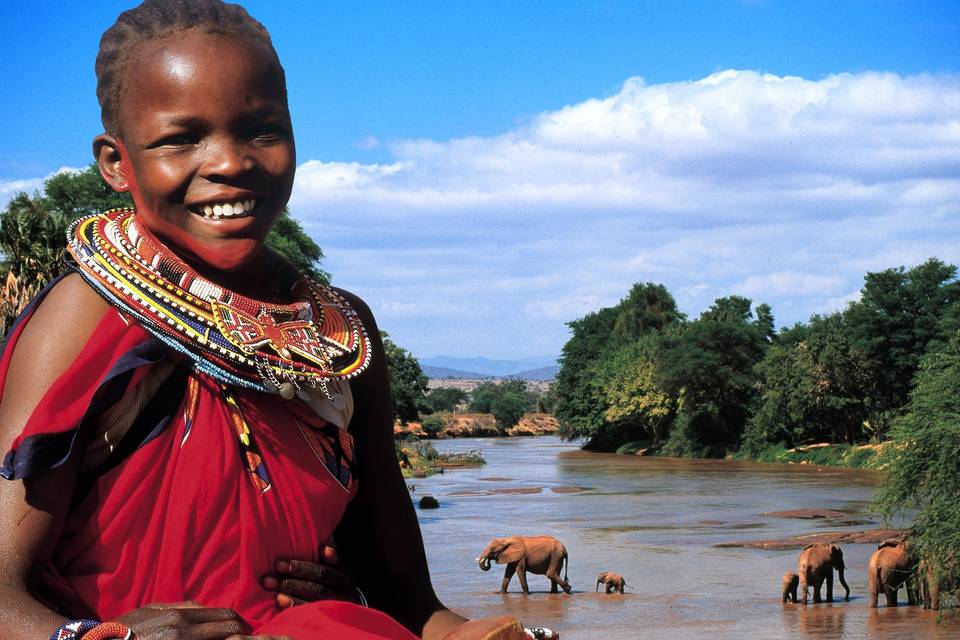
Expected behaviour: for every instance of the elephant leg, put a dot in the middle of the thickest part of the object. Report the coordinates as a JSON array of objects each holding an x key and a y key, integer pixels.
[
  {"x": 554, "y": 574},
  {"x": 830, "y": 587},
  {"x": 610, "y": 587},
  {"x": 874, "y": 590},
  {"x": 816, "y": 591},
  {"x": 803, "y": 588},
  {"x": 507, "y": 575},
  {"x": 522, "y": 575},
  {"x": 912, "y": 595},
  {"x": 891, "y": 594}
]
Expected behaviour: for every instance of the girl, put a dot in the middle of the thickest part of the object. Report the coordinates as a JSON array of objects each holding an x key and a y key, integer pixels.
[{"x": 185, "y": 409}]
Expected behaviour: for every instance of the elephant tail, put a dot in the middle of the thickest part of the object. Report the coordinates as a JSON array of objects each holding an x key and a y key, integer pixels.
[{"x": 565, "y": 560}]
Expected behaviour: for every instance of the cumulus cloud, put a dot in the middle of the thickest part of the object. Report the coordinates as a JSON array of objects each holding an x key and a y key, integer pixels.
[
  {"x": 780, "y": 188},
  {"x": 783, "y": 189}
]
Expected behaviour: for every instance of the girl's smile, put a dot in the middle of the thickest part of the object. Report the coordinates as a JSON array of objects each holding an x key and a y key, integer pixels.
[{"x": 205, "y": 147}]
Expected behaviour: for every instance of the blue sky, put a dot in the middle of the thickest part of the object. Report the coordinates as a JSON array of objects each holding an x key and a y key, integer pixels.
[{"x": 484, "y": 172}]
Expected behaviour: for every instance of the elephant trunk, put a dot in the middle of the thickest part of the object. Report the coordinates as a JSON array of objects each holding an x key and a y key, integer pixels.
[
  {"x": 598, "y": 586},
  {"x": 484, "y": 563},
  {"x": 844, "y": 583}
]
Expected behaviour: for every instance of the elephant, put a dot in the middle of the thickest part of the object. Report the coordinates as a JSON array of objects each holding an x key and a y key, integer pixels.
[
  {"x": 817, "y": 563},
  {"x": 614, "y": 582},
  {"x": 544, "y": 555},
  {"x": 891, "y": 566},
  {"x": 789, "y": 589},
  {"x": 932, "y": 585}
]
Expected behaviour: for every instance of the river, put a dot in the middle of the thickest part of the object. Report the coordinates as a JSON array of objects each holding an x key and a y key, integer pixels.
[{"x": 655, "y": 521}]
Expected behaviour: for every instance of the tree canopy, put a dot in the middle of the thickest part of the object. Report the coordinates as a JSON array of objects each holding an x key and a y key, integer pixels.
[{"x": 408, "y": 383}]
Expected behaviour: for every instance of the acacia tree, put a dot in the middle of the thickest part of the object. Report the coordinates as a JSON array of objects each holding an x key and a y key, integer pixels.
[
  {"x": 923, "y": 470},
  {"x": 408, "y": 383}
]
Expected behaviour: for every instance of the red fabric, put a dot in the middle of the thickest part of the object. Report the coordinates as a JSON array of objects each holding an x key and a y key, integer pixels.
[{"x": 181, "y": 519}]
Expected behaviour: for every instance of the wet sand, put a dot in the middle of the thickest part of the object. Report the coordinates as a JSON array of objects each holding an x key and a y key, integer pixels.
[{"x": 660, "y": 523}]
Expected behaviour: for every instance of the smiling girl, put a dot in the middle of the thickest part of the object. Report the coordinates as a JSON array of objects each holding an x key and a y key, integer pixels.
[{"x": 185, "y": 410}]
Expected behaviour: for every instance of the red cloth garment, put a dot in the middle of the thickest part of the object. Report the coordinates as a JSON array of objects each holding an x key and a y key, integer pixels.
[{"x": 181, "y": 503}]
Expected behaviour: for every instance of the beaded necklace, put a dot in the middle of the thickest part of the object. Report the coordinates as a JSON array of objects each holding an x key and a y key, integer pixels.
[{"x": 277, "y": 348}]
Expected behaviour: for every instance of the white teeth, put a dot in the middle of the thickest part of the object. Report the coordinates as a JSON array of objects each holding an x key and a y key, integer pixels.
[{"x": 228, "y": 209}]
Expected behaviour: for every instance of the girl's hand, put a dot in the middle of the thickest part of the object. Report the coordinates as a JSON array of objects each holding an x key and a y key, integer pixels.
[
  {"x": 299, "y": 581},
  {"x": 184, "y": 621}
]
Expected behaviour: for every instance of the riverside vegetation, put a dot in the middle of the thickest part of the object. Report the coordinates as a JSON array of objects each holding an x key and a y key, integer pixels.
[{"x": 877, "y": 384}]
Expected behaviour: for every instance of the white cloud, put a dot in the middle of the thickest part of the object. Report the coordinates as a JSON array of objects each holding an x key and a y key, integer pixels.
[
  {"x": 783, "y": 189},
  {"x": 10, "y": 188}
]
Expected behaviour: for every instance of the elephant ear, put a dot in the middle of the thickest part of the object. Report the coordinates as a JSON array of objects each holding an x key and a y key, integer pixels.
[
  {"x": 889, "y": 542},
  {"x": 837, "y": 556},
  {"x": 512, "y": 553}
]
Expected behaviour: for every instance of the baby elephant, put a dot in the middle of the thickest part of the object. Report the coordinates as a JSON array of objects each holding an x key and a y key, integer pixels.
[
  {"x": 790, "y": 583},
  {"x": 614, "y": 582}
]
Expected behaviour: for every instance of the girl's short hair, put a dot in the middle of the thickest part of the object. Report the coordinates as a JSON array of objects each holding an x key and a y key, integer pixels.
[{"x": 155, "y": 19}]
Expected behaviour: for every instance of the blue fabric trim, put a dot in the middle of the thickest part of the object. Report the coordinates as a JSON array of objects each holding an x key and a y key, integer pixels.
[{"x": 42, "y": 452}]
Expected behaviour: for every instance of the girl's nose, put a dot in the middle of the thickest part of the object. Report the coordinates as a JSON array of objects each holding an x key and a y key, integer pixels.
[{"x": 225, "y": 158}]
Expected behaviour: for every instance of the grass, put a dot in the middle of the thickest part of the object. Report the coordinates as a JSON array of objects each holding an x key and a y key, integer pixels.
[
  {"x": 421, "y": 459},
  {"x": 824, "y": 455}
]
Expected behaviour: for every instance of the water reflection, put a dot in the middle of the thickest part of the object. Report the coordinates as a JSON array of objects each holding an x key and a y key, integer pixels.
[{"x": 654, "y": 521}]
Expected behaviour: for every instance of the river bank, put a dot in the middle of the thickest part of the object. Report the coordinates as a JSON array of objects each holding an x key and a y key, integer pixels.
[{"x": 666, "y": 525}]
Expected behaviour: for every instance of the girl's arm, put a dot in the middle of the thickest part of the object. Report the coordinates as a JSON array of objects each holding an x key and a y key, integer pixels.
[{"x": 33, "y": 511}]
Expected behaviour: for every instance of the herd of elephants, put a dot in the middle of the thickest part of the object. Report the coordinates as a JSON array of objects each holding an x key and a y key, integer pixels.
[{"x": 891, "y": 567}]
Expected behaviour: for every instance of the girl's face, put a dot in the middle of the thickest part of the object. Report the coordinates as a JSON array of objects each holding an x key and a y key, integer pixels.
[{"x": 206, "y": 146}]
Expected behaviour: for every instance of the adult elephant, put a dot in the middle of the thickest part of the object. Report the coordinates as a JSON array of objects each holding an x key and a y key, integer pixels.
[
  {"x": 932, "y": 584},
  {"x": 613, "y": 582},
  {"x": 544, "y": 555},
  {"x": 892, "y": 566},
  {"x": 817, "y": 563}
]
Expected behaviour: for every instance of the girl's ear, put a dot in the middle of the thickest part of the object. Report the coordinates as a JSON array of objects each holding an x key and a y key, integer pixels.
[{"x": 106, "y": 152}]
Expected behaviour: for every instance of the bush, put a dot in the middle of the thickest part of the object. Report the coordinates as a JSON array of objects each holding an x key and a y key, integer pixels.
[{"x": 432, "y": 424}]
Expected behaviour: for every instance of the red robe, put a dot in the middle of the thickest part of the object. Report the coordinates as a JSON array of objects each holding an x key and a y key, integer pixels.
[{"x": 181, "y": 503}]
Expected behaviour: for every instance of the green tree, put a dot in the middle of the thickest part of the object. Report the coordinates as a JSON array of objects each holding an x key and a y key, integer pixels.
[
  {"x": 708, "y": 366},
  {"x": 445, "y": 399},
  {"x": 810, "y": 391},
  {"x": 581, "y": 400},
  {"x": 289, "y": 239},
  {"x": 507, "y": 400},
  {"x": 408, "y": 384},
  {"x": 923, "y": 471},
  {"x": 900, "y": 313},
  {"x": 636, "y": 405}
]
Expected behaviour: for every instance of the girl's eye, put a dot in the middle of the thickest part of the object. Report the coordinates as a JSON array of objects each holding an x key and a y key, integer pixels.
[
  {"x": 269, "y": 133},
  {"x": 177, "y": 140}
]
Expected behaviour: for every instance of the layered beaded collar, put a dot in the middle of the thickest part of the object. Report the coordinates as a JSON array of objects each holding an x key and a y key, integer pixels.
[{"x": 278, "y": 348}]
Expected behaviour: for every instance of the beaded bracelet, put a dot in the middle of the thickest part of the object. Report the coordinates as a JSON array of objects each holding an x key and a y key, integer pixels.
[
  {"x": 73, "y": 629},
  {"x": 92, "y": 630},
  {"x": 109, "y": 631}
]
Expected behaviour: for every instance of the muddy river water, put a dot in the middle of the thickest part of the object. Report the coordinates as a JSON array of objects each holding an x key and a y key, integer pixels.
[{"x": 656, "y": 521}]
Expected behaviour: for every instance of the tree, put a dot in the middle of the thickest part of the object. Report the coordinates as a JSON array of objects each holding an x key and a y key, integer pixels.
[
  {"x": 708, "y": 366},
  {"x": 581, "y": 400},
  {"x": 900, "y": 313},
  {"x": 810, "y": 391},
  {"x": 923, "y": 471},
  {"x": 636, "y": 405},
  {"x": 289, "y": 239},
  {"x": 507, "y": 400},
  {"x": 408, "y": 384},
  {"x": 445, "y": 399}
]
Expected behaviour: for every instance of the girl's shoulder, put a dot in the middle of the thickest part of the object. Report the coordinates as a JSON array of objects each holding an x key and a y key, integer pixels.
[{"x": 58, "y": 348}]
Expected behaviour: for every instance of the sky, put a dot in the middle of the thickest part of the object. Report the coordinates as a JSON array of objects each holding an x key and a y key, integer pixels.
[{"x": 482, "y": 173}]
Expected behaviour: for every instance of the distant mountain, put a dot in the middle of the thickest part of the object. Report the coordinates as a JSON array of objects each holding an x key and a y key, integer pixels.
[
  {"x": 543, "y": 373},
  {"x": 445, "y": 372},
  {"x": 483, "y": 367}
]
